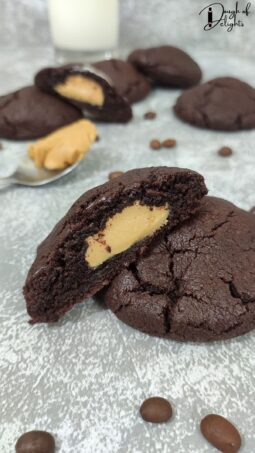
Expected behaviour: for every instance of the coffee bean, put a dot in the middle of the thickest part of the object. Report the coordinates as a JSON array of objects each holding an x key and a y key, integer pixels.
[
  {"x": 156, "y": 410},
  {"x": 150, "y": 115},
  {"x": 35, "y": 442},
  {"x": 115, "y": 174},
  {"x": 221, "y": 433},
  {"x": 155, "y": 144},
  {"x": 97, "y": 138},
  {"x": 252, "y": 210},
  {"x": 169, "y": 143},
  {"x": 225, "y": 151}
]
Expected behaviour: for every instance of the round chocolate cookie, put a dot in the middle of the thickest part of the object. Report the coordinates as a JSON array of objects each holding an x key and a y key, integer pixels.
[
  {"x": 128, "y": 82},
  {"x": 197, "y": 283},
  {"x": 29, "y": 113},
  {"x": 224, "y": 104},
  {"x": 167, "y": 65}
]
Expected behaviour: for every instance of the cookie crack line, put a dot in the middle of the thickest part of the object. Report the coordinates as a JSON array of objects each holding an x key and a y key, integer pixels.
[
  {"x": 221, "y": 224},
  {"x": 235, "y": 293},
  {"x": 176, "y": 293}
]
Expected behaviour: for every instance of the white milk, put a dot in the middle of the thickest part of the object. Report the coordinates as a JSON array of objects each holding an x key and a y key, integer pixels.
[{"x": 84, "y": 25}]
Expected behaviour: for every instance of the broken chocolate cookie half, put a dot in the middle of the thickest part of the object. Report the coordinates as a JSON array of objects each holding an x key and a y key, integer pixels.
[
  {"x": 88, "y": 89},
  {"x": 105, "y": 230}
]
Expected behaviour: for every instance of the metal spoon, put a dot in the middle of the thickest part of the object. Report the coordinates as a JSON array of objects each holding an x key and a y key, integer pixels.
[{"x": 26, "y": 174}]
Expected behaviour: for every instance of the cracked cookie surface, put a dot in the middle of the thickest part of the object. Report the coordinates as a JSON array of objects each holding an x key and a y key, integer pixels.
[
  {"x": 197, "y": 283},
  {"x": 29, "y": 113},
  {"x": 224, "y": 103}
]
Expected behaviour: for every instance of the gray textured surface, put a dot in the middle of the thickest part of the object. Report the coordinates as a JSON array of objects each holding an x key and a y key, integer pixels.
[
  {"x": 85, "y": 378},
  {"x": 24, "y": 22}
]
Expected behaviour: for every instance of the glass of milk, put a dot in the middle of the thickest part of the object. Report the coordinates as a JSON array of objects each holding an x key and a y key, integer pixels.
[{"x": 84, "y": 30}]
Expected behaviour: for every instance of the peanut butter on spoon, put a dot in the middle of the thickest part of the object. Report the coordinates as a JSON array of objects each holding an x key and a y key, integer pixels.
[{"x": 63, "y": 147}]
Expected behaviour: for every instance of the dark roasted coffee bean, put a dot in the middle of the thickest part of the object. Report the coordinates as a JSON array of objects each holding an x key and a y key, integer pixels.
[
  {"x": 156, "y": 410},
  {"x": 35, "y": 442},
  {"x": 115, "y": 174},
  {"x": 221, "y": 433},
  {"x": 150, "y": 115},
  {"x": 225, "y": 151},
  {"x": 155, "y": 144}
]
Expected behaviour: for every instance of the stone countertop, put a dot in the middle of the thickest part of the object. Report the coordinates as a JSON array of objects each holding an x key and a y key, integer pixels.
[{"x": 84, "y": 378}]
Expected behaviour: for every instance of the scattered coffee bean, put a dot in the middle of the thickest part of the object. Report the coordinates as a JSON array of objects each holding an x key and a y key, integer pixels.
[
  {"x": 35, "y": 442},
  {"x": 252, "y": 210},
  {"x": 156, "y": 410},
  {"x": 150, "y": 115},
  {"x": 225, "y": 151},
  {"x": 169, "y": 143},
  {"x": 221, "y": 433},
  {"x": 155, "y": 144},
  {"x": 115, "y": 174},
  {"x": 97, "y": 138}
]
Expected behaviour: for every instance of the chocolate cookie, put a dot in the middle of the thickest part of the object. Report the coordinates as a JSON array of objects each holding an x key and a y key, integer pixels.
[
  {"x": 30, "y": 113},
  {"x": 224, "y": 104},
  {"x": 128, "y": 82},
  {"x": 107, "y": 228},
  {"x": 167, "y": 66},
  {"x": 86, "y": 89},
  {"x": 197, "y": 283}
]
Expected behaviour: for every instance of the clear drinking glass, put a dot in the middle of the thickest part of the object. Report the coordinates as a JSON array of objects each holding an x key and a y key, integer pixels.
[{"x": 84, "y": 30}]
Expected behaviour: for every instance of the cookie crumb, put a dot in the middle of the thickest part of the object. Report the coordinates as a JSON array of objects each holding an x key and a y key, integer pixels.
[
  {"x": 155, "y": 144},
  {"x": 169, "y": 143},
  {"x": 108, "y": 249},
  {"x": 225, "y": 151},
  {"x": 150, "y": 115},
  {"x": 115, "y": 174}
]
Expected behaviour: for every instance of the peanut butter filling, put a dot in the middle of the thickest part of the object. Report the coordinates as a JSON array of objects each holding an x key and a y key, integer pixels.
[
  {"x": 123, "y": 230},
  {"x": 63, "y": 147},
  {"x": 81, "y": 88}
]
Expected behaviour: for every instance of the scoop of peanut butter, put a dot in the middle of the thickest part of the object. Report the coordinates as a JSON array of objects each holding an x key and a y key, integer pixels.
[{"x": 63, "y": 147}]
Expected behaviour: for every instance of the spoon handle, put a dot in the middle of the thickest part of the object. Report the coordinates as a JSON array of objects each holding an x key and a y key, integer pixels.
[{"x": 5, "y": 182}]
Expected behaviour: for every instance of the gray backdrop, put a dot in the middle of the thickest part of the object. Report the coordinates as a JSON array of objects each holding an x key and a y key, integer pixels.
[
  {"x": 24, "y": 22},
  {"x": 84, "y": 378}
]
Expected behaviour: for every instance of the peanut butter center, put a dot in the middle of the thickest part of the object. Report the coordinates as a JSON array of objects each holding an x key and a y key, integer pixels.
[
  {"x": 81, "y": 88},
  {"x": 123, "y": 230},
  {"x": 63, "y": 147}
]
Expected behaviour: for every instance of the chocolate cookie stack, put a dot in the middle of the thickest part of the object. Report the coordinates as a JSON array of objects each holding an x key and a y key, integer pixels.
[{"x": 173, "y": 262}]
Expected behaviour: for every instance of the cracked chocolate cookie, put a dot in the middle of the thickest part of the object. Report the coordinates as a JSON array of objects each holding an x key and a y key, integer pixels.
[
  {"x": 30, "y": 113},
  {"x": 88, "y": 89},
  {"x": 224, "y": 103},
  {"x": 197, "y": 283},
  {"x": 129, "y": 83},
  {"x": 167, "y": 66},
  {"x": 106, "y": 229}
]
